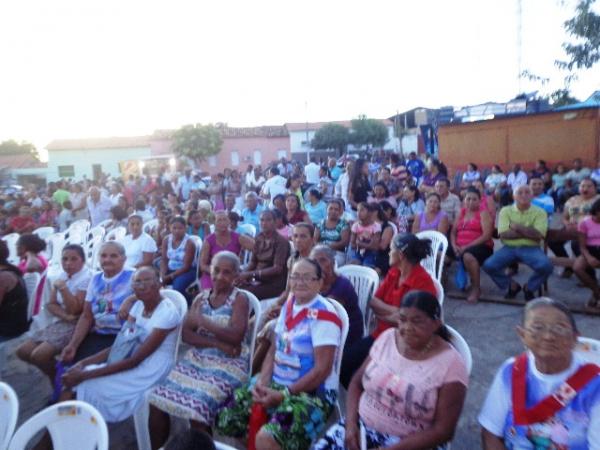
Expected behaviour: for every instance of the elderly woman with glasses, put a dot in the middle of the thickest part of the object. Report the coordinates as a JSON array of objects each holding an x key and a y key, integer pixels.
[
  {"x": 547, "y": 397},
  {"x": 288, "y": 403}
]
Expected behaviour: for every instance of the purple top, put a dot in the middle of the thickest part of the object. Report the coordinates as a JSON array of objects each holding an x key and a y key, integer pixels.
[
  {"x": 433, "y": 225},
  {"x": 343, "y": 291},
  {"x": 234, "y": 246}
]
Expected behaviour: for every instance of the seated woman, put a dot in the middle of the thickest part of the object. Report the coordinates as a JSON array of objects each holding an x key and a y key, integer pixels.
[
  {"x": 177, "y": 264},
  {"x": 316, "y": 207},
  {"x": 65, "y": 305},
  {"x": 433, "y": 217},
  {"x": 29, "y": 248},
  {"x": 405, "y": 274},
  {"x": 334, "y": 231},
  {"x": 471, "y": 239},
  {"x": 386, "y": 216},
  {"x": 13, "y": 298},
  {"x": 118, "y": 218},
  {"x": 297, "y": 386},
  {"x": 266, "y": 275},
  {"x": 140, "y": 247},
  {"x": 217, "y": 363},
  {"x": 411, "y": 204},
  {"x": 589, "y": 245},
  {"x": 411, "y": 388},
  {"x": 198, "y": 223},
  {"x": 294, "y": 212},
  {"x": 381, "y": 193},
  {"x": 114, "y": 380},
  {"x": 222, "y": 239},
  {"x": 547, "y": 397}
]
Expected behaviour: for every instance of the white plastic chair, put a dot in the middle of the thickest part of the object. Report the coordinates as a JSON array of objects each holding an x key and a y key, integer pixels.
[
  {"x": 197, "y": 240},
  {"x": 11, "y": 242},
  {"x": 9, "y": 412},
  {"x": 150, "y": 225},
  {"x": 461, "y": 346},
  {"x": 44, "y": 232},
  {"x": 91, "y": 248},
  {"x": 32, "y": 281},
  {"x": 434, "y": 264},
  {"x": 337, "y": 365},
  {"x": 256, "y": 308},
  {"x": 116, "y": 234},
  {"x": 105, "y": 224},
  {"x": 97, "y": 231},
  {"x": 365, "y": 281},
  {"x": 439, "y": 292},
  {"x": 221, "y": 446},
  {"x": 589, "y": 349},
  {"x": 72, "y": 425},
  {"x": 247, "y": 228},
  {"x": 77, "y": 232}
]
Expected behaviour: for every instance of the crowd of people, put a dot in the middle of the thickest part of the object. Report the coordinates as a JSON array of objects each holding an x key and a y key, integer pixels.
[{"x": 280, "y": 234}]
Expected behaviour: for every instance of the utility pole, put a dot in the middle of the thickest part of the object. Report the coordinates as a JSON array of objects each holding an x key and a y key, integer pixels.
[{"x": 307, "y": 141}]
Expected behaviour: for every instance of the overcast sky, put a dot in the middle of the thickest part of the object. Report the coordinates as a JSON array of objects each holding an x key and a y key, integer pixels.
[{"x": 74, "y": 69}]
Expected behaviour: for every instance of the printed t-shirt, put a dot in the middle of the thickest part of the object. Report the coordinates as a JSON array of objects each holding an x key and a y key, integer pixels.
[
  {"x": 392, "y": 294},
  {"x": 400, "y": 395},
  {"x": 591, "y": 230},
  {"x": 105, "y": 296}
]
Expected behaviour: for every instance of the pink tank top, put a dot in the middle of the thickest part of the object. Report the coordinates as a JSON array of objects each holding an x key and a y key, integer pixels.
[
  {"x": 468, "y": 231},
  {"x": 233, "y": 246}
]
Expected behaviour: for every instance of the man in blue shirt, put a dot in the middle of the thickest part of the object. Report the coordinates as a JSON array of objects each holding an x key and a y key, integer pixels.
[
  {"x": 415, "y": 166},
  {"x": 251, "y": 213},
  {"x": 540, "y": 198}
]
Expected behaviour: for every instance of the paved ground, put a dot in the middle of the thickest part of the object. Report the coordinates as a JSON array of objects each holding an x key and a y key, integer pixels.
[{"x": 489, "y": 328}]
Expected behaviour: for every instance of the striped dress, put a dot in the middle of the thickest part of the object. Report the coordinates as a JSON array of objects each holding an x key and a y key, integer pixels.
[{"x": 197, "y": 388}]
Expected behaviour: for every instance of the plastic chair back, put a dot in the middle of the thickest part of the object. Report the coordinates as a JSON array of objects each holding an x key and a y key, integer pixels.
[
  {"x": 91, "y": 250},
  {"x": 221, "y": 446},
  {"x": 105, "y": 224},
  {"x": 589, "y": 349},
  {"x": 459, "y": 343},
  {"x": 439, "y": 292},
  {"x": 32, "y": 281},
  {"x": 434, "y": 264},
  {"x": 365, "y": 281},
  {"x": 247, "y": 228},
  {"x": 56, "y": 242},
  {"x": 116, "y": 234},
  {"x": 181, "y": 303},
  {"x": 97, "y": 231},
  {"x": 256, "y": 308},
  {"x": 9, "y": 412},
  {"x": 72, "y": 425},
  {"x": 11, "y": 242},
  {"x": 150, "y": 225},
  {"x": 337, "y": 366},
  {"x": 197, "y": 240},
  {"x": 44, "y": 232}
]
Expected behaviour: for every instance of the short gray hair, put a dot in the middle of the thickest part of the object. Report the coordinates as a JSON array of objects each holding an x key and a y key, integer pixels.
[
  {"x": 251, "y": 195},
  {"x": 326, "y": 250},
  {"x": 118, "y": 245},
  {"x": 229, "y": 256},
  {"x": 547, "y": 302}
]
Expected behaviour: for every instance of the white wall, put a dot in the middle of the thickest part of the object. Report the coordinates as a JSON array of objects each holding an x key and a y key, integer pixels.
[{"x": 83, "y": 160}]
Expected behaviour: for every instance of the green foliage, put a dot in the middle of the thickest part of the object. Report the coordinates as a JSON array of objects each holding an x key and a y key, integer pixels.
[
  {"x": 562, "y": 97},
  {"x": 12, "y": 147},
  {"x": 585, "y": 28},
  {"x": 331, "y": 135},
  {"x": 368, "y": 132},
  {"x": 197, "y": 142}
]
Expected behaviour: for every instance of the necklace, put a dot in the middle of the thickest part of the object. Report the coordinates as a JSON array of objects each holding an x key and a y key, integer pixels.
[{"x": 419, "y": 353}]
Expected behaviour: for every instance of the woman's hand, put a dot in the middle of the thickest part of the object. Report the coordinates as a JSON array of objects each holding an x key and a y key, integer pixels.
[
  {"x": 269, "y": 398},
  {"x": 59, "y": 284},
  {"x": 458, "y": 250},
  {"x": 352, "y": 436},
  {"x": 74, "y": 376}
]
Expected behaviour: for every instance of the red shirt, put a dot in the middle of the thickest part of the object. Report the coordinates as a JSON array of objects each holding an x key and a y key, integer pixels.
[
  {"x": 22, "y": 224},
  {"x": 392, "y": 294}
]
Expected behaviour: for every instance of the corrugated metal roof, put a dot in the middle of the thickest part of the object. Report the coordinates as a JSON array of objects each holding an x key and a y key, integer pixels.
[{"x": 592, "y": 102}]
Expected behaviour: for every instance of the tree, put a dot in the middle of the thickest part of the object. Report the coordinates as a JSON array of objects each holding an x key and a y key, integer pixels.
[
  {"x": 12, "y": 147},
  {"x": 331, "y": 135},
  {"x": 197, "y": 142},
  {"x": 368, "y": 132},
  {"x": 585, "y": 28}
]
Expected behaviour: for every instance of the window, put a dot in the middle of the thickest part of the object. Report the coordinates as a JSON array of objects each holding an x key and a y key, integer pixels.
[
  {"x": 235, "y": 158},
  {"x": 66, "y": 171},
  {"x": 282, "y": 153},
  {"x": 212, "y": 161},
  {"x": 257, "y": 157}
]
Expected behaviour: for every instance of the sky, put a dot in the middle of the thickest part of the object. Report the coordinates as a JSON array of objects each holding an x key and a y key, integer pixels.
[{"x": 78, "y": 69}]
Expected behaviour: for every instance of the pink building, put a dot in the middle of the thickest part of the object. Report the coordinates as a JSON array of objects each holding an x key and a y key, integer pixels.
[{"x": 241, "y": 147}]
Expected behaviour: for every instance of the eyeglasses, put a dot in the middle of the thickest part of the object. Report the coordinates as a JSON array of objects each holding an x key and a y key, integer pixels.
[
  {"x": 303, "y": 278},
  {"x": 556, "y": 330}
]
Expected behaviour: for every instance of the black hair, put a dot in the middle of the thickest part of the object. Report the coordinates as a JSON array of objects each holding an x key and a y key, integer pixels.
[
  {"x": 414, "y": 189},
  {"x": 473, "y": 190},
  {"x": 177, "y": 219},
  {"x": 67, "y": 204},
  {"x": 497, "y": 167},
  {"x": 4, "y": 253},
  {"x": 118, "y": 212},
  {"x": 434, "y": 194},
  {"x": 270, "y": 212},
  {"x": 308, "y": 226},
  {"x": 413, "y": 248},
  {"x": 339, "y": 201},
  {"x": 295, "y": 197},
  {"x": 591, "y": 180},
  {"x": 428, "y": 304},
  {"x": 444, "y": 180},
  {"x": 140, "y": 205},
  {"x": 76, "y": 248},
  {"x": 386, "y": 206},
  {"x": 274, "y": 170},
  {"x": 473, "y": 165},
  {"x": 357, "y": 172},
  {"x": 277, "y": 214},
  {"x": 279, "y": 197},
  {"x": 233, "y": 216},
  {"x": 542, "y": 302},
  {"x": 368, "y": 206},
  {"x": 314, "y": 263},
  {"x": 32, "y": 243},
  {"x": 295, "y": 176},
  {"x": 191, "y": 439},
  {"x": 385, "y": 188},
  {"x": 315, "y": 193}
]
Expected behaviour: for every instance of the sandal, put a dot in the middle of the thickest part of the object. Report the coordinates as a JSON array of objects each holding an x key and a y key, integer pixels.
[{"x": 512, "y": 293}]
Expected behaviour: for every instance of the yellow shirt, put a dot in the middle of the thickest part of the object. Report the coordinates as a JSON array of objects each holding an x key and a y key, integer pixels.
[{"x": 533, "y": 217}]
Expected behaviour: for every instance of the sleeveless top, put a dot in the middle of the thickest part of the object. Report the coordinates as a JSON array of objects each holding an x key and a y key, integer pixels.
[
  {"x": 200, "y": 233},
  {"x": 328, "y": 235},
  {"x": 433, "y": 225},
  {"x": 222, "y": 316},
  {"x": 233, "y": 246},
  {"x": 468, "y": 231},
  {"x": 13, "y": 310},
  {"x": 176, "y": 255},
  {"x": 299, "y": 216}
]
